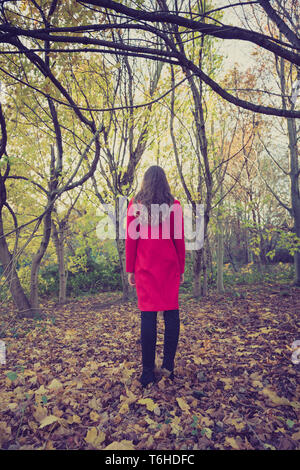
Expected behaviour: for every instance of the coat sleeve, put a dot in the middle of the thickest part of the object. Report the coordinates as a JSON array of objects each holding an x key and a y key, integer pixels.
[
  {"x": 178, "y": 234},
  {"x": 130, "y": 241}
]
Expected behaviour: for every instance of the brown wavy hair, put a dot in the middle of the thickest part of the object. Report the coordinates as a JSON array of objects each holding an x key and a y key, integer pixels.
[{"x": 155, "y": 189}]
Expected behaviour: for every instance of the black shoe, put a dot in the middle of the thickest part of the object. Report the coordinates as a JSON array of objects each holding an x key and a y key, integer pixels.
[
  {"x": 169, "y": 374},
  {"x": 147, "y": 377},
  {"x": 163, "y": 372}
]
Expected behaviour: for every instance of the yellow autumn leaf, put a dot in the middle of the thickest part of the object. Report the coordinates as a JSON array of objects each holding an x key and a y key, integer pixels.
[
  {"x": 91, "y": 435},
  {"x": 12, "y": 406},
  {"x": 295, "y": 404},
  {"x": 29, "y": 373},
  {"x": 148, "y": 402},
  {"x": 266, "y": 330},
  {"x": 237, "y": 424},
  {"x": 150, "y": 421},
  {"x": 94, "y": 416},
  {"x": 227, "y": 381},
  {"x": 296, "y": 436},
  {"x": 257, "y": 383},
  {"x": 149, "y": 442},
  {"x": 70, "y": 334},
  {"x": 207, "y": 432},
  {"x": 184, "y": 406},
  {"x": 200, "y": 361},
  {"x": 40, "y": 413},
  {"x": 175, "y": 425},
  {"x": 275, "y": 398},
  {"x": 253, "y": 335},
  {"x": 122, "y": 445},
  {"x": 55, "y": 385},
  {"x": 100, "y": 438},
  {"x": 48, "y": 420},
  {"x": 232, "y": 442},
  {"x": 282, "y": 430},
  {"x": 74, "y": 419},
  {"x": 127, "y": 373},
  {"x": 131, "y": 398},
  {"x": 93, "y": 403},
  {"x": 124, "y": 408},
  {"x": 41, "y": 391},
  {"x": 94, "y": 437}
]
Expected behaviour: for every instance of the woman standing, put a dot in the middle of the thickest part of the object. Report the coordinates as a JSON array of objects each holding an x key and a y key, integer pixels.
[{"x": 155, "y": 260}]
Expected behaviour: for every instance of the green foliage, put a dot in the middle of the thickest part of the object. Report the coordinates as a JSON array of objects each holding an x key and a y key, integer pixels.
[
  {"x": 262, "y": 236},
  {"x": 4, "y": 291},
  {"x": 49, "y": 278},
  {"x": 96, "y": 277},
  {"x": 251, "y": 273},
  {"x": 24, "y": 276},
  {"x": 88, "y": 276},
  {"x": 12, "y": 376},
  {"x": 287, "y": 240}
]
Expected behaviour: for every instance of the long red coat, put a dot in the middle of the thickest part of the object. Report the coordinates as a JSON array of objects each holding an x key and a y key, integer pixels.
[{"x": 156, "y": 262}]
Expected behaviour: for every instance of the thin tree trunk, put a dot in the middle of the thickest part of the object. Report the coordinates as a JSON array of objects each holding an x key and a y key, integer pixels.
[
  {"x": 128, "y": 291},
  {"x": 197, "y": 272},
  {"x": 294, "y": 170},
  {"x": 59, "y": 238},
  {"x": 220, "y": 250},
  {"x": 36, "y": 262},
  {"x": 17, "y": 292},
  {"x": 121, "y": 251},
  {"x": 204, "y": 268},
  {"x": 7, "y": 260},
  {"x": 295, "y": 195}
]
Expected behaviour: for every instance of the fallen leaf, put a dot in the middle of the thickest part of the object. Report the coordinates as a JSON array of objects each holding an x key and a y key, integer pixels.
[
  {"x": 95, "y": 437},
  {"x": 279, "y": 400},
  {"x": 124, "y": 408},
  {"x": 232, "y": 442},
  {"x": 150, "y": 405},
  {"x": 296, "y": 436},
  {"x": 55, "y": 385},
  {"x": 94, "y": 416},
  {"x": 48, "y": 420},
  {"x": 182, "y": 404},
  {"x": 122, "y": 445},
  {"x": 40, "y": 413}
]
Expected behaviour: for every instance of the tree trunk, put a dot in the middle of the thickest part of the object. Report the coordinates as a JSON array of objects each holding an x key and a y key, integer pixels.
[
  {"x": 8, "y": 263},
  {"x": 121, "y": 251},
  {"x": 17, "y": 292},
  {"x": 204, "y": 268},
  {"x": 36, "y": 262},
  {"x": 220, "y": 245},
  {"x": 59, "y": 238},
  {"x": 295, "y": 195},
  {"x": 220, "y": 256},
  {"x": 294, "y": 168},
  {"x": 129, "y": 292},
  {"x": 197, "y": 272}
]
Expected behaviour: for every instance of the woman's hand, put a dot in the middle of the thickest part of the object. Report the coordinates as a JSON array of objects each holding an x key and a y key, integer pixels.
[
  {"x": 131, "y": 279},
  {"x": 181, "y": 278}
]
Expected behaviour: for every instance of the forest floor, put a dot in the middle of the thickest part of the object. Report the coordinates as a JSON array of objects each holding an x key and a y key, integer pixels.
[{"x": 70, "y": 380}]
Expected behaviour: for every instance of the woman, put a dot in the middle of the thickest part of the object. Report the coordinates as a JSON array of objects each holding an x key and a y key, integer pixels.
[{"x": 155, "y": 260}]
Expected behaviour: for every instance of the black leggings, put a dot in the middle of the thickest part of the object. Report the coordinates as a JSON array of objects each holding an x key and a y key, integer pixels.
[{"x": 149, "y": 334}]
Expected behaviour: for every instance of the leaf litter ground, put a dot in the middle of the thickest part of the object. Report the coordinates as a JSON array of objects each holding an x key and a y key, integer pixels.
[{"x": 71, "y": 379}]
